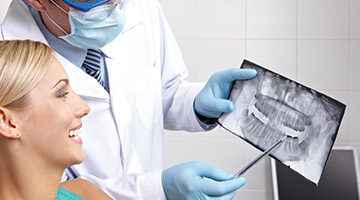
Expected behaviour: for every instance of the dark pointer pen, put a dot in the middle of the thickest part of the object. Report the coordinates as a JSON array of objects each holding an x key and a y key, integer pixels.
[{"x": 259, "y": 158}]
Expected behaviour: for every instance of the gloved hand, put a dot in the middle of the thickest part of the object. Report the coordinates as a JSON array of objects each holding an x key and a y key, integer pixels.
[
  {"x": 187, "y": 181},
  {"x": 212, "y": 101}
]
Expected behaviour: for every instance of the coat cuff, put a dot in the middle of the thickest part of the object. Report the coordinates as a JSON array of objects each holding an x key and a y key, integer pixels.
[{"x": 152, "y": 185}]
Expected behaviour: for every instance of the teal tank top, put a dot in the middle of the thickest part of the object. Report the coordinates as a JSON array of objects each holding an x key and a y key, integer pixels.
[{"x": 67, "y": 195}]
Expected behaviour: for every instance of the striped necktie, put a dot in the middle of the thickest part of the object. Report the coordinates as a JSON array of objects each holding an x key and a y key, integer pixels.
[{"x": 91, "y": 65}]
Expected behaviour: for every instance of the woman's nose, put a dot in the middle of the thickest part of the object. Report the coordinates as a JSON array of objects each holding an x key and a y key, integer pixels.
[
  {"x": 86, "y": 109},
  {"x": 83, "y": 108}
]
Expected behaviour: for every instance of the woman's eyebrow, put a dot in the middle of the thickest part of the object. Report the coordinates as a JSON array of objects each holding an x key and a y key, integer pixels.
[{"x": 62, "y": 80}]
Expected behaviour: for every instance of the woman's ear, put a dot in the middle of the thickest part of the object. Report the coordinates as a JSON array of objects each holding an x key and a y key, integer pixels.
[{"x": 7, "y": 128}]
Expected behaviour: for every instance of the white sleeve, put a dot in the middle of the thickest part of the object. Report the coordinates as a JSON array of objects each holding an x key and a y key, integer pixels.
[
  {"x": 133, "y": 186},
  {"x": 181, "y": 115},
  {"x": 178, "y": 94}
]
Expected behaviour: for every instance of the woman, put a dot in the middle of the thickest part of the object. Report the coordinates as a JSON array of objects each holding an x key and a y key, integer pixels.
[{"x": 40, "y": 123}]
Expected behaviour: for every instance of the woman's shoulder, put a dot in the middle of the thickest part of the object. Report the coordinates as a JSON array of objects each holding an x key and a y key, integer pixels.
[
  {"x": 84, "y": 189},
  {"x": 64, "y": 194}
]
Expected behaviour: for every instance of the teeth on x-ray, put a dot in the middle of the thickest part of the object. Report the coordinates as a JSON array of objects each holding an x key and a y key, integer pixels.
[
  {"x": 255, "y": 125},
  {"x": 267, "y": 107},
  {"x": 293, "y": 121},
  {"x": 288, "y": 117},
  {"x": 291, "y": 146},
  {"x": 303, "y": 145},
  {"x": 265, "y": 135},
  {"x": 270, "y": 136}
]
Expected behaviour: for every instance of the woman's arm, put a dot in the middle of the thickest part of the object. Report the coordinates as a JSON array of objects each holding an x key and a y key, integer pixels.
[{"x": 85, "y": 189}]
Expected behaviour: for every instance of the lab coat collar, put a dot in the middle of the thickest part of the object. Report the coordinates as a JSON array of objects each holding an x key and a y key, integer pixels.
[
  {"x": 133, "y": 19},
  {"x": 133, "y": 16}
]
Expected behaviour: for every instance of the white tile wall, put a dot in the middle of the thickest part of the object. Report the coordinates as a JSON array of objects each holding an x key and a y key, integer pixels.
[
  {"x": 189, "y": 56},
  {"x": 355, "y": 65},
  {"x": 354, "y": 115},
  {"x": 323, "y": 19},
  {"x": 355, "y": 19},
  {"x": 324, "y": 64},
  {"x": 214, "y": 19},
  {"x": 215, "y": 151},
  {"x": 316, "y": 42},
  {"x": 277, "y": 55},
  {"x": 217, "y": 54},
  {"x": 181, "y": 16},
  {"x": 271, "y": 19},
  {"x": 178, "y": 149}
]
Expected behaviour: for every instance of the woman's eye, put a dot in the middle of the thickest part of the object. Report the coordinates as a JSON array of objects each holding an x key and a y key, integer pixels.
[{"x": 62, "y": 93}]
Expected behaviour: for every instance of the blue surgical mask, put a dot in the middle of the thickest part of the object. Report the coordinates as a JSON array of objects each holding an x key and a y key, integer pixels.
[{"x": 96, "y": 28}]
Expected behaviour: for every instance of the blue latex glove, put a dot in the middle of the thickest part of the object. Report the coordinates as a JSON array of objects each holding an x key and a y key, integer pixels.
[
  {"x": 212, "y": 101},
  {"x": 187, "y": 181}
]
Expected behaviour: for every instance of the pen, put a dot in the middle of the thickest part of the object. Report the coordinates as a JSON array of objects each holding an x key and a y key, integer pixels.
[{"x": 259, "y": 158}]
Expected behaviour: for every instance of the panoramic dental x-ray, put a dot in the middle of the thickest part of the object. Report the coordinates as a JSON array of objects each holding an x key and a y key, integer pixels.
[{"x": 270, "y": 106}]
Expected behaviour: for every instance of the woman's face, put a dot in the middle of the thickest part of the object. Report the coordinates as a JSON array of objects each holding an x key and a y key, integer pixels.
[{"x": 51, "y": 118}]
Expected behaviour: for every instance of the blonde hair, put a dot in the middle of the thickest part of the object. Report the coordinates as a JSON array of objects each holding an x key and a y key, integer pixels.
[{"x": 23, "y": 63}]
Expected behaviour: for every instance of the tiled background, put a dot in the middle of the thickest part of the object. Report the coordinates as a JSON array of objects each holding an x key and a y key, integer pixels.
[{"x": 315, "y": 42}]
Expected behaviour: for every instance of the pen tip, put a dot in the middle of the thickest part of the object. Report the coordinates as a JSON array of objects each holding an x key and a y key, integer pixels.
[{"x": 284, "y": 138}]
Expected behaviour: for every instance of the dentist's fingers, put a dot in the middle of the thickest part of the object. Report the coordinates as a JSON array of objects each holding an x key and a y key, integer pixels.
[{"x": 219, "y": 188}]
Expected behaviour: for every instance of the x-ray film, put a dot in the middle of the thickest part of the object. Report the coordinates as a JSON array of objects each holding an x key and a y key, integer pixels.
[{"x": 270, "y": 106}]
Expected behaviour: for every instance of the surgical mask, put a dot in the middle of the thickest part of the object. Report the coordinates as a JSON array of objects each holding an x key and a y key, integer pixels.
[{"x": 96, "y": 28}]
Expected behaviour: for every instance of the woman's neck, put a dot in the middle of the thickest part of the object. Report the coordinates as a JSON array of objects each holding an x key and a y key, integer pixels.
[{"x": 28, "y": 178}]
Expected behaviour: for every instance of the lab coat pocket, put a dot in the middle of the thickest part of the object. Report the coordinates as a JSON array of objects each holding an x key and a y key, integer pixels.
[{"x": 148, "y": 96}]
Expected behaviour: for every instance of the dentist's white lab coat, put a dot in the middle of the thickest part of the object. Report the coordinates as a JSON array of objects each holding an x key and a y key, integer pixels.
[{"x": 123, "y": 134}]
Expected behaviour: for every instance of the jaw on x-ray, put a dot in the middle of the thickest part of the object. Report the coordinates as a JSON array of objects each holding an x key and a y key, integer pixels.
[{"x": 270, "y": 106}]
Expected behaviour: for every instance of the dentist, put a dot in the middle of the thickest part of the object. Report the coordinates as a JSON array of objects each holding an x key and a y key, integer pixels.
[{"x": 123, "y": 61}]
